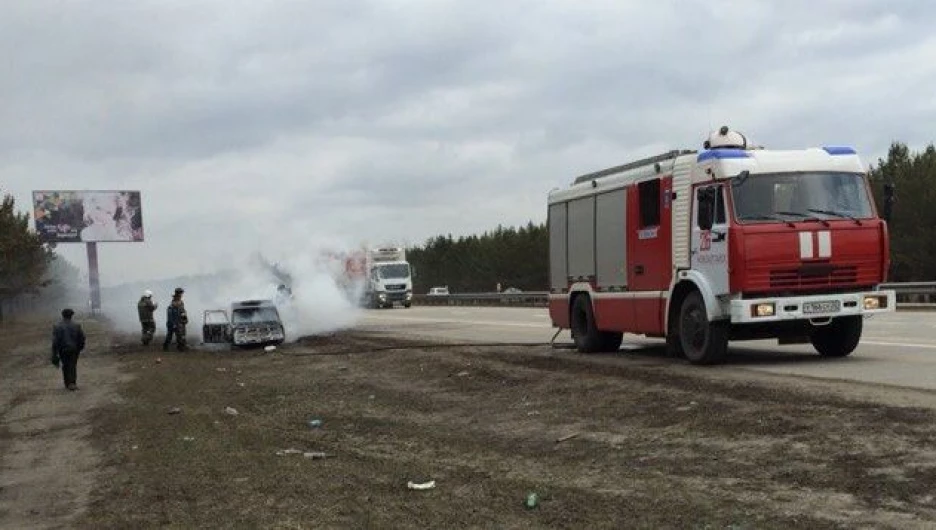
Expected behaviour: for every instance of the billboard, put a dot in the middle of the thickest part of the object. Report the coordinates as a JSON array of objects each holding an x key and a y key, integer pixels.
[{"x": 88, "y": 216}]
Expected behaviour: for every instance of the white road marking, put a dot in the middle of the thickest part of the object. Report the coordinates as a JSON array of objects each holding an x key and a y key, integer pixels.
[
  {"x": 463, "y": 321},
  {"x": 874, "y": 341},
  {"x": 900, "y": 344}
]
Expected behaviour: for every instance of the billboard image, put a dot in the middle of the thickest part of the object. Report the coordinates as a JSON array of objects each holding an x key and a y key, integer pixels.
[{"x": 88, "y": 216}]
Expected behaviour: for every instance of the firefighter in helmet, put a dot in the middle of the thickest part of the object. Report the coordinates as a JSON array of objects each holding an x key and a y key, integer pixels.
[
  {"x": 176, "y": 320},
  {"x": 146, "y": 307}
]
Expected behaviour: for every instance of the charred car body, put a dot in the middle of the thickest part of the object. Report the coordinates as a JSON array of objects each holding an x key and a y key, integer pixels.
[{"x": 251, "y": 323}]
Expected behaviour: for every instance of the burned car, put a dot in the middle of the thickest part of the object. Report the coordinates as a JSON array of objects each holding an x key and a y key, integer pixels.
[{"x": 251, "y": 323}]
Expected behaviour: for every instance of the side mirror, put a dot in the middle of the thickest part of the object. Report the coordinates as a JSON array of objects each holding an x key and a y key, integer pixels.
[{"x": 889, "y": 200}]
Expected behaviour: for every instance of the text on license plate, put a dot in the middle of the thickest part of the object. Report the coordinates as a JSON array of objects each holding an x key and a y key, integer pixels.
[{"x": 830, "y": 306}]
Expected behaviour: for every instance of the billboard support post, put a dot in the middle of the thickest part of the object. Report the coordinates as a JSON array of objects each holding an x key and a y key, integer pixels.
[{"x": 94, "y": 279}]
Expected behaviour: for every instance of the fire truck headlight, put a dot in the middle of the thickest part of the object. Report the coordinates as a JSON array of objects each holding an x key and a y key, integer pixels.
[
  {"x": 875, "y": 302},
  {"x": 762, "y": 310}
]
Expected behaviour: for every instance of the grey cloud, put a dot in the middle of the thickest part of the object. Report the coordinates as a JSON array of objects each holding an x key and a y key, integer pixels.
[{"x": 245, "y": 122}]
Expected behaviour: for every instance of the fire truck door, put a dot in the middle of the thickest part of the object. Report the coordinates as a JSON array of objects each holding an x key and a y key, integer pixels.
[
  {"x": 649, "y": 253},
  {"x": 709, "y": 247}
]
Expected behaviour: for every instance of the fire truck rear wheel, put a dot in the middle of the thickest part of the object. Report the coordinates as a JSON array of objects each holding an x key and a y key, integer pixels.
[
  {"x": 702, "y": 341},
  {"x": 839, "y": 338},
  {"x": 588, "y": 339}
]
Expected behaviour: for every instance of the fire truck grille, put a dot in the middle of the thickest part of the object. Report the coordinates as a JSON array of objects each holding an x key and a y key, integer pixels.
[{"x": 813, "y": 276}]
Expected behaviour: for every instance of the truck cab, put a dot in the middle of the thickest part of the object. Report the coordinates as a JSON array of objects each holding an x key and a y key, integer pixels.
[
  {"x": 790, "y": 245},
  {"x": 389, "y": 278}
]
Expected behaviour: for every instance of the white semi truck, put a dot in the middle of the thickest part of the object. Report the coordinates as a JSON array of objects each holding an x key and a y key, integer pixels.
[{"x": 388, "y": 278}]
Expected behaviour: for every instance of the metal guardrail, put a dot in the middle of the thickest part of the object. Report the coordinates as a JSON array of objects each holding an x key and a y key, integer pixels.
[
  {"x": 527, "y": 299},
  {"x": 910, "y": 296}
]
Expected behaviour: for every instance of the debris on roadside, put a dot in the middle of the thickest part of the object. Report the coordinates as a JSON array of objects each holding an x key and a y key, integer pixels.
[
  {"x": 313, "y": 455},
  {"x": 174, "y": 410},
  {"x": 231, "y": 411},
  {"x": 421, "y": 486},
  {"x": 315, "y": 423},
  {"x": 566, "y": 437},
  {"x": 531, "y": 501}
]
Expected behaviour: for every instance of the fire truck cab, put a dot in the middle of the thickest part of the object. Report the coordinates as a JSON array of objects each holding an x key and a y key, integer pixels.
[{"x": 731, "y": 242}]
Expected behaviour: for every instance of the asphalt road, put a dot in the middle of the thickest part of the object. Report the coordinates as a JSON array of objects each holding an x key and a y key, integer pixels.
[{"x": 896, "y": 349}]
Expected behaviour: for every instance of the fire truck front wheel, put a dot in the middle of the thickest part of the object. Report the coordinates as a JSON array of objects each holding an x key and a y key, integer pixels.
[
  {"x": 838, "y": 338},
  {"x": 588, "y": 339},
  {"x": 702, "y": 341}
]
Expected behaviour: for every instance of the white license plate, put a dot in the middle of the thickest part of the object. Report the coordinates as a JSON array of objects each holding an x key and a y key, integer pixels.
[{"x": 831, "y": 306}]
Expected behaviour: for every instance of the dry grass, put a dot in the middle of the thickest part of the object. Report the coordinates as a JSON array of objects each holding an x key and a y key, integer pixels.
[{"x": 651, "y": 449}]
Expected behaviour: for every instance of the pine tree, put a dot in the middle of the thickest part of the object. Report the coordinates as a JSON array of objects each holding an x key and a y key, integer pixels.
[{"x": 24, "y": 258}]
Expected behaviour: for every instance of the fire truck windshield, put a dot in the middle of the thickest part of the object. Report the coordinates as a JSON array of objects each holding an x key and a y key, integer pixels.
[{"x": 789, "y": 196}]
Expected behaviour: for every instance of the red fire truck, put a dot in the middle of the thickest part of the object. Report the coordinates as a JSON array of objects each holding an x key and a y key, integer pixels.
[{"x": 731, "y": 242}]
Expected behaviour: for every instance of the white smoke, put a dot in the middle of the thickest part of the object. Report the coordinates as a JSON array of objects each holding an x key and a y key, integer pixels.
[{"x": 319, "y": 302}]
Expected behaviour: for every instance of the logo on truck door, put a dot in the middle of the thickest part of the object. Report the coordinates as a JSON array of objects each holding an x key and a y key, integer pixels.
[{"x": 707, "y": 237}]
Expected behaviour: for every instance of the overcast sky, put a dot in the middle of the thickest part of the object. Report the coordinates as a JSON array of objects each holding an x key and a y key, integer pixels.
[{"x": 247, "y": 124}]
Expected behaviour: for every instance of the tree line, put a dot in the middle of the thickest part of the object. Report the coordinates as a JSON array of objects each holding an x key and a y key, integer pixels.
[
  {"x": 912, "y": 224},
  {"x": 512, "y": 257},
  {"x": 24, "y": 259}
]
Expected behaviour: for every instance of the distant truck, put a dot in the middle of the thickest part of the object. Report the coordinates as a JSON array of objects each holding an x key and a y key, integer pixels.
[
  {"x": 386, "y": 275},
  {"x": 252, "y": 323},
  {"x": 389, "y": 278}
]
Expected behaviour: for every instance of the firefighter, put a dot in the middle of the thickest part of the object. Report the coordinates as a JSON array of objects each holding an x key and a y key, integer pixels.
[
  {"x": 176, "y": 320},
  {"x": 146, "y": 307}
]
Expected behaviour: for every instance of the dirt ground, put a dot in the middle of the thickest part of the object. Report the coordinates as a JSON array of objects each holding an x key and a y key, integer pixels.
[
  {"x": 48, "y": 464},
  {"x": 605, "y": 441}
]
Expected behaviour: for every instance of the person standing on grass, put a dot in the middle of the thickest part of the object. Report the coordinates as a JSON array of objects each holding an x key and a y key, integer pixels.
[
  {"x": 146, "y": 307},
  {"x": 68, "y": 341},
  {"x": 176, "y": 320}
]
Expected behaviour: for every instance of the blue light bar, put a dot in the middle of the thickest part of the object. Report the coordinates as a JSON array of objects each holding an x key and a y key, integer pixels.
[
  {"x": 721, "y": 154},
  {"x": 840, "y": 150}
]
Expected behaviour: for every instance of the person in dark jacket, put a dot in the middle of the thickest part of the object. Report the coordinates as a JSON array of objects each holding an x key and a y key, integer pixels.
[
  {"x": 176, "y": 319},
  {"x": 68, "y": 341},
  {"x": 146, "y": 307}
]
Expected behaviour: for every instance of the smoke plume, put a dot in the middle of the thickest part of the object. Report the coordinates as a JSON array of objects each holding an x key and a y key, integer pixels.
[{"x": 319, "y": 303}]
